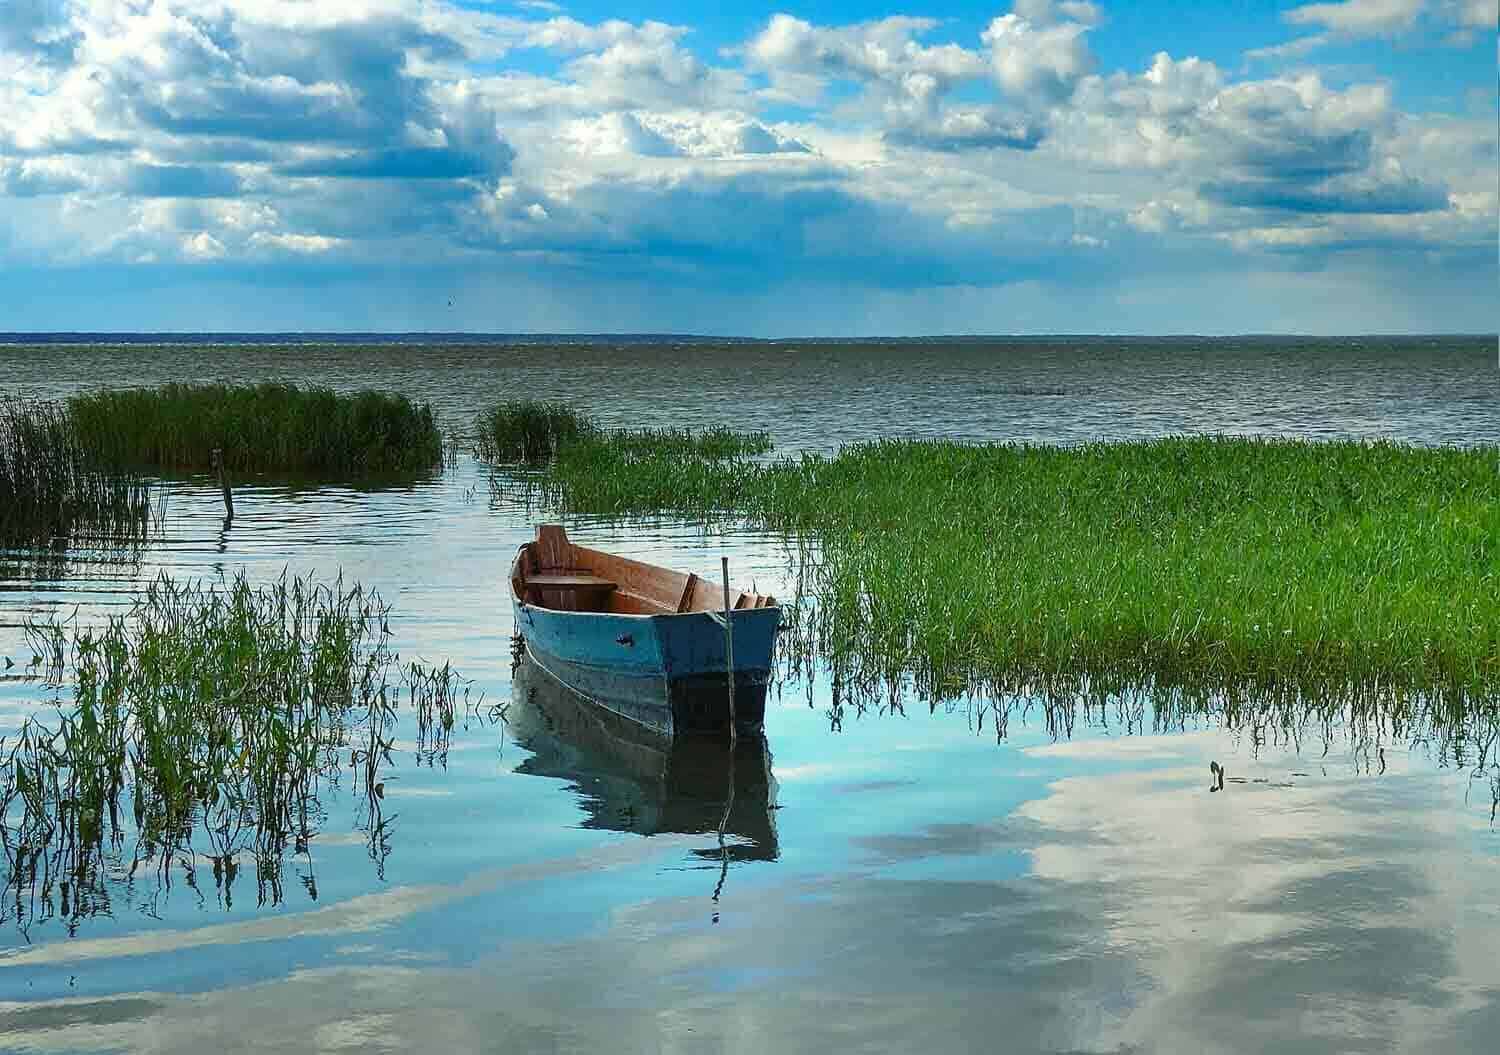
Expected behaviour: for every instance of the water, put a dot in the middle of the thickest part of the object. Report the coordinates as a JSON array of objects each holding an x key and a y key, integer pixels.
[
  {"x": 903, "y": 880},
  {"x": 818, "y": 394}
]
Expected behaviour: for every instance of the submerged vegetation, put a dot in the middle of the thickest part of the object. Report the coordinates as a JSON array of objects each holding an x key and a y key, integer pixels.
[
  {"x": 52, "y": 490},
  {"x": 212, "y": 711},
  {"x": 271, "y": 427},
  {"x": 1205, "y": 568},
  {"x": 536, "y": 431}
]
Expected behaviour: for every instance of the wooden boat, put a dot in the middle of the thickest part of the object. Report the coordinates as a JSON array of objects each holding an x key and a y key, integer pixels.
[
  {"x": 643, "y": 641},
  {"x": 630, "y": 778}
]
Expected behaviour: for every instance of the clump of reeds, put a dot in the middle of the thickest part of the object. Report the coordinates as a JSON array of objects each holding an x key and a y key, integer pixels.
[
  {"x": 271, "y": 427},
  {"x": 52, "y": 490},
  {"x": 1218, "y": 567},
  {"x": 537, "y": 431},
  {"x": 527, "y": 430},
  {"x": 210, "y": 710}
]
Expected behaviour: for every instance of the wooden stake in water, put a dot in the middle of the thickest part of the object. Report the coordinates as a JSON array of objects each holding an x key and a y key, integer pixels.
[
  {"x": 733, "y": 734},
  {"x": 729, "y": 647},
  {"x": 218, "y": 463}
]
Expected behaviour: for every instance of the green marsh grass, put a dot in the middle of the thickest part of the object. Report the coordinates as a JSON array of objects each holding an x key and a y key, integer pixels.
[
  {"x": 53, "y": 491},
  {"x": 209, "y": 717},
  {"x": 526, "y": 430},
  {"x": 1210, "y": 568},
  {"x": 269, "y": 427},
  {"x": 535, "y": 431}
]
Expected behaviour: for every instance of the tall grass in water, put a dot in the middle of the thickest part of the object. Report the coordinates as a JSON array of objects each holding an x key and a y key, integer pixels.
[
  {"x": 526, "y": 430},
  {"x": 1212, "y": 567},
  {"x": 535, "y": 431},
  {"x": 260, "y": 428},
  {"x": 53, "y": 491},
  {"x": 206, "y": 716}
]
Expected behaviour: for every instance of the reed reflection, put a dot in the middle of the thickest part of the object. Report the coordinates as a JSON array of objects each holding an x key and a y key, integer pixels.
[{"x": 207, "y": 722}]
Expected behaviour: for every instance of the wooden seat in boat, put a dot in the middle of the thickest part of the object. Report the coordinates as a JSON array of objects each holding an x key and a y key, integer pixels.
[
  {"x": 553, "y": 572},
  {"x": 571, "y": 581}
]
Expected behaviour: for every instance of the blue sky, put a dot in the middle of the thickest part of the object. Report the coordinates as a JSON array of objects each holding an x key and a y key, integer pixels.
[{"x": 807, "y": 168}]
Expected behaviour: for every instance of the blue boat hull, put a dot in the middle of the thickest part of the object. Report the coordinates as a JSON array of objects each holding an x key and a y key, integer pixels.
[{"x": 664, "y": 671}]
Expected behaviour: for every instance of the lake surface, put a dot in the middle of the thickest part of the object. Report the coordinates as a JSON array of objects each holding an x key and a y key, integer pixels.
[{"x": 893, "y": 880}]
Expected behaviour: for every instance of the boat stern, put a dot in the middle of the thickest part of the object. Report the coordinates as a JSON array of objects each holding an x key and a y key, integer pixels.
[{"x": 695, "y": 662}]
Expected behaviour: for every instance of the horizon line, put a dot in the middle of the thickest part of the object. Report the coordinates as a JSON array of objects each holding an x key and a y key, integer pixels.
[{"x": 18, "y": 336}]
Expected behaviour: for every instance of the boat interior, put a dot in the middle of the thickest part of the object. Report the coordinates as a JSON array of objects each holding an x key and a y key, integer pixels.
[{"x": 555, "y": 573}]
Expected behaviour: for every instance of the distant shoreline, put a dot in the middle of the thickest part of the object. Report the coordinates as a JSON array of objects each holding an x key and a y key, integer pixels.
[{"x": 63, "y": 338}]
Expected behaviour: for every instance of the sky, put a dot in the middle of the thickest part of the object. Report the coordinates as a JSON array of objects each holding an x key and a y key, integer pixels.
[{"x": 839, "y": 168}]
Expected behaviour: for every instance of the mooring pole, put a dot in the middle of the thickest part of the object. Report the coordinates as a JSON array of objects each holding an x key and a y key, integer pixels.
[
  {"x": 729, "y": 648},
  {"x": 733, "y": 734},
  {"x": 218, "y": 462}
]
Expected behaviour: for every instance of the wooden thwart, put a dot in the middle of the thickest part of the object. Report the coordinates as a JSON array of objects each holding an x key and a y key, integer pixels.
[
  {"x": 571, "y": 582},
  {"x": 555, "y": 572}
]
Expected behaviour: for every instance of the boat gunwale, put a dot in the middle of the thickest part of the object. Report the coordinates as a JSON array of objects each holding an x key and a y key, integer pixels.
[{"x": 706, "y": 613}]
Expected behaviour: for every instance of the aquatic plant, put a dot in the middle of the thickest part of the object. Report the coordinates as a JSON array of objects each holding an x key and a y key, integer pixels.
[
  {"x": 207, "y": 715},
  {"x": 1217, "y": 567},
  {"x": 714, "y": 443},
  {"x": 535, "y": 431},
  {"x": 526, "y": 430},
  {"x": 53, "y": 492},
  {"x": 268, "y": 427}
]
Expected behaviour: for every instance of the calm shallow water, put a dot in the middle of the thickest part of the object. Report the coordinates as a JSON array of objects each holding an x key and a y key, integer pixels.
[{"x": 903, "y": 881}]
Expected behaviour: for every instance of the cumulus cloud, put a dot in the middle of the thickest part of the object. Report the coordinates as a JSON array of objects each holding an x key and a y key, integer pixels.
[
  {"x": 1283, "y": 145},
  {"x": 681, "y": 134},
  {"x": 883, "y": 50},
  {"x": 885, "y": 151},
  {"x": 1039, "y": 48},
  {"x": 907, "y": 84}
]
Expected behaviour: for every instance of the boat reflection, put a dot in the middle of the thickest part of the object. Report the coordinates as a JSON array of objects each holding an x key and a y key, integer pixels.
[{"x": 632, "y": 778}]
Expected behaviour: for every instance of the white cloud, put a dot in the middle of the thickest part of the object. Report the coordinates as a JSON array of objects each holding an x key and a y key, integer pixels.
[
  {"x": 885, "y": 56},
  {"x": 1035, "y": 53},
  {"x": 617, "y": 133},
  {"x": 1047, "y": 11},
  {"x": 218, "y": 129},
  {"x": 203, "y": 246},
  {"x": 1292, "y": 49},
  {"x": 294, "y": 243},
  {"x": 1359, "y": 17},
  {"x": 683, "y": 134}
]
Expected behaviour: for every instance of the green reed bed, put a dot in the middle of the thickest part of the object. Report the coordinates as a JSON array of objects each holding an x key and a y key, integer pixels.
[
  {"x": 1213, "y": 566},
  {"x": 53, "y": 491},
  {"x": 536, "y": 431},
  {"x": 208, "y": 718},
  {"x": 526, "y": 430},
  {"x": 270, "y": 427}
]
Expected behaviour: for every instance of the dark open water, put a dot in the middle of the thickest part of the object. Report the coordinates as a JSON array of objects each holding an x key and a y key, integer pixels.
[{"x": 902, "y": 882}]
